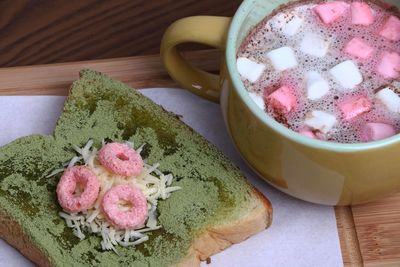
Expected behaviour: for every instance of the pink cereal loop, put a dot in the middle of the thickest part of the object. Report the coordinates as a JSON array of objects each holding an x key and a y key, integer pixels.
[
  {"x": 135, "y": 216},
  {"x": 84, "y": 177},
  {"x": 120, "y": 159}
]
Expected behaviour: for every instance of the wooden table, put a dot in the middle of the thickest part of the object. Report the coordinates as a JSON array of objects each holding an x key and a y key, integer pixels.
[{"x": 52, "y": 31}]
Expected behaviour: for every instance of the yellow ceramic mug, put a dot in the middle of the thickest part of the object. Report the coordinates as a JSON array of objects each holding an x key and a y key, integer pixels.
[{"x": 312, "y": 170}]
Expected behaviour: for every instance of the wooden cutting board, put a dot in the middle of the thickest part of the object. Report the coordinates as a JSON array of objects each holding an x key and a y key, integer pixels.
[{"x": 369, "y": 234}]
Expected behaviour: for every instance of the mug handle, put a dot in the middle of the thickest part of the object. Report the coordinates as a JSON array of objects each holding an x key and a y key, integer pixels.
[{"x": 207, "y": 30}]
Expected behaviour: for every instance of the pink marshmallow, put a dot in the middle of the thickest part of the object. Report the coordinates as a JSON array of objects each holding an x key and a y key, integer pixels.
[
  {"x": 331, "y": 11},
  {"x": 389, "y": 65},
  {"x": 358, "y": 48},
  {"x": 282, "y": 100},
  {"x": 391, "y": 29},
  {"x": 307, "y": 132},
  {"x": 354, "y": 107},
  {"x": 374, "y": 131},
  {"x": 361, "y": 14}
]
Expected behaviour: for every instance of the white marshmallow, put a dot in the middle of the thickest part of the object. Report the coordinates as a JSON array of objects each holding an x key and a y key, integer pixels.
[
  {"x": 258, "y": 100},
  {"x": 314, "y": 45},
  {"x": 288, "y": 24},
  {"x": 347, "y": 74},
  {"x": 320, "y": 120},
  {"x": 282, "y": 58},
  {"x": 293, "y": 26},
  {"x": 317, "y": 86},
  {"x": 249, "y": 69},
  {"x": 390, "y": 99}
]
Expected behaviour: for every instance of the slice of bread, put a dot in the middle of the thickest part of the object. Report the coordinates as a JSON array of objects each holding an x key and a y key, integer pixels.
[{"x": 215, "y": 208}]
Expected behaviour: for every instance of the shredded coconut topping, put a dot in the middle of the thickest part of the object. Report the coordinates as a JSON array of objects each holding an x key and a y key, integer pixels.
[{"x": 152, "y": 182}]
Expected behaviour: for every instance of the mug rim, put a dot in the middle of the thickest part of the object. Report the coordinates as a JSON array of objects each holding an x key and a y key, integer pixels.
[{"x": 238, "y": 86}]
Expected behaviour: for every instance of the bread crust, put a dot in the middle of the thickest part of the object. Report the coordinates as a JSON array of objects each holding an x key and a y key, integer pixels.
[
  {"x": 210, "y": 242},
  {"x": 13, "y": 234},
  {"x": 216, "y": 239}
]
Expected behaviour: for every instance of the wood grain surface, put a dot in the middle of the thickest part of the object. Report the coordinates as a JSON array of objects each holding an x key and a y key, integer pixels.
[
  {"x": 138, "y": 72},
  {"x": 50, "y": 31},
  {"x": 350, "y": 247},
  {"x": 378, "y": 230},
  {"x": 369, "y": 234}
]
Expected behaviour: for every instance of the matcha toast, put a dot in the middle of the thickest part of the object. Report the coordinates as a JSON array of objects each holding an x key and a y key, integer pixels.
[{"x": 214, "y": 207}]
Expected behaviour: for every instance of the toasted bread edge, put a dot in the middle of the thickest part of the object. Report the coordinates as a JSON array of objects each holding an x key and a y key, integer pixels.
[
  {"x": 216, "y": 239},
  {"x": 210, "y": 242},
  {"x": 12, "y": 233}
]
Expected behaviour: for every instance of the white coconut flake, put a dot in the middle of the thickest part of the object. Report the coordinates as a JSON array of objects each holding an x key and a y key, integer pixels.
[
  {"x": 139, "y": 150},
  {"x": 77, "y": 149},
  {"x": 54, "y": 172},
  {"x": 92, "y": 216},
  {"x": 86, "y": 149},
  {"x": 152, "y": 220},
  {"x": 172, "y": 189},
  {"x": 73, "y": 161},
  {"x": 130, "y": 144},
  {"x": 148, "y": 229},
  {"x": 169, "y": 178}
]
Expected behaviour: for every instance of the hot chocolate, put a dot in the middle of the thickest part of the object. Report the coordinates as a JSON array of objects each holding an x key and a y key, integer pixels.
[{"x": 329, "y": 70}]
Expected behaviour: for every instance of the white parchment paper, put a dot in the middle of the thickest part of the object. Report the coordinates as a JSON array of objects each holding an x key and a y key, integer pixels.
[{"x": 302, "y": 234}]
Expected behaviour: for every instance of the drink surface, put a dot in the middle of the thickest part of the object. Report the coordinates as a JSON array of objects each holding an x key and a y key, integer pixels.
[{"x": 329, "y": 70}]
